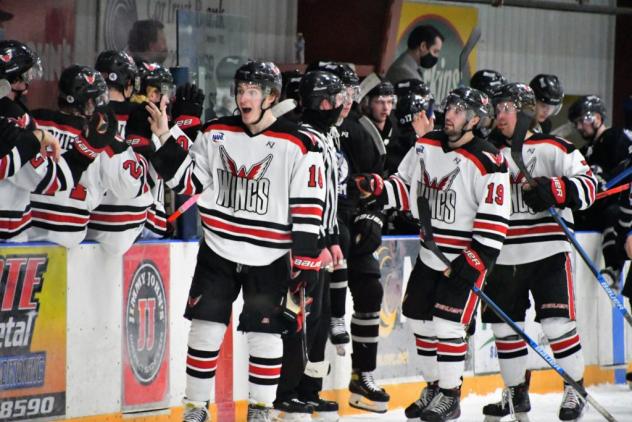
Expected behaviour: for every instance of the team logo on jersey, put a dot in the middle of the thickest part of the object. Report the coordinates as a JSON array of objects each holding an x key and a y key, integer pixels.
[
  {"x": 6, "y": 57},
  {"x": 89, "y": 78},
  {"x": 146, "y": 322},
  {"x": 243, "y": 188},
  {"x": 518, "y": 179},
  {"x": 440, "y": 196},
  {"x": 150, "y": 66}
]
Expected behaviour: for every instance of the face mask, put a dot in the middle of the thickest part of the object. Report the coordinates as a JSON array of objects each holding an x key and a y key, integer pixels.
[{"x": 428, "y": 61}]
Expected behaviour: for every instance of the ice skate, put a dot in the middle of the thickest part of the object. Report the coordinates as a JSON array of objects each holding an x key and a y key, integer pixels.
[
  {"x": 445, "y": 406},
  {"x": 366, "y": 394},
  {"x": 259, "y": 413},
  {"x": 515, "y": 403},
  {"x": 293, "y": 410},
  {"x": 195, "y": 411},
  {"x": 573, "y": 405},
  {"x": 338, "y": 335},
  {"x": 324, "y": 410},
  {"x": 413, "y": 411}
]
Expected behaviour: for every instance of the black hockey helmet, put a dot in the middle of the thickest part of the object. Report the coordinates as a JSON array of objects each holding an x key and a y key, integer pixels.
[
  {"x": 547, "y": 89},
  {"x": 265, "y": 74},
  {"x": 411, "y": 86},
  {"x": 347, "y": 75},
  {"x": 157, "y": 76},
  {"x": 317, "y": 86},
  {"x": 80, "y": 84},
  {"x": 586, "y": 105},
  {"x": 18, "y": 60},
  {"x": 411, "y": 104},
  {"x": 118, "y": 69},
  {"x": 291, "y": 83},
  {"x": 476, "y": 102},
  {"x": 518, "y": 93},
  {"x": 385, "y": 88},
  {"x": 488, "y": 81}
]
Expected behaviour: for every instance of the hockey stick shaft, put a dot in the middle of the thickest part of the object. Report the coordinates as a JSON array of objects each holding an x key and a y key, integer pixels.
[
  {"x": 183, "y": 208},
  {"x": 516, "y": 153},
  {"x": 612, "y": 191},
  {"x": 471, "y": 42},
  {"x": 426, "y": 228},
  {"x": 619, "y": 177}
]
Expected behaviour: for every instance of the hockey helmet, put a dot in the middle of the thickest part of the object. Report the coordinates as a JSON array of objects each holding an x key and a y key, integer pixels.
[
  {"x": 518, "y": 93},
  {"x": 118, "y": 69},
  {"x": 476, "y": 102},
  {"x": 411, "y": 86},
  {"x": 19, "y": 61},
  {"x": 265, "y": 74},
  {"x": 586, "y": 106},
  {"x": 316, "y": 86},
  {"x": 157, "y": 76},
  {"x": 291, "y": 83},
  {"x": 409, "y": 105},
  {"x": 80, "y": 84},
  {"x": 488, "y": 81},
  {"x": 547, "y": 89}
]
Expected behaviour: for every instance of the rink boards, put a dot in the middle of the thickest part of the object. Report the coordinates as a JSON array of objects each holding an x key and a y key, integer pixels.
[{"x": 116, "y": 325}]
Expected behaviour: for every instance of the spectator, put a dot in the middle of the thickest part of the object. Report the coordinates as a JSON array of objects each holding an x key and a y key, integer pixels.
[
  {"x": 424, "y": 46},
  {"x": 147, "y": 42}
]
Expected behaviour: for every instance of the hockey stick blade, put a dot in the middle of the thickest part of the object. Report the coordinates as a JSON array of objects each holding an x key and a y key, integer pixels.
[
  {"x": 517, "y": 140},
  {"x": 471, "y": 42},
  {"x": 5, "y": 88},
  {"x": 283, "y": 107},
  {"x": 425, "y": 221},
  {"x": 373, "y": 132},
  {"x": 183, "y": 208},
  {"x": 368, "y": 83}
]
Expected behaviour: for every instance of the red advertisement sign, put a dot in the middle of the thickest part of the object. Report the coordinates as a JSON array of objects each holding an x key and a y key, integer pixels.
[{"x": 145, "y": 327}]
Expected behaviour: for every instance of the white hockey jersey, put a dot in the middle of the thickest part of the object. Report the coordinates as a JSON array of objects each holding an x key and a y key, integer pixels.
[
  {"x": 63, "y": 217},
  {"x": 260, "y": 196},
  {"x": 534, "y": 236},
  {"x": 468, "y": 192}
]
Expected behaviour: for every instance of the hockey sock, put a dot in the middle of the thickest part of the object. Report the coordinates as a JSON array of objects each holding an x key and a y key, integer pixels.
[
  {"x": 426, "y": 342},
  {"x": 512, "y": 353},
  {"x": 205, "y": 338},
  {"x": 365, "y": 331},
  {"x": 264, "y": 368},
  {"x": 338, "y": 291},
  {"x": 451, "y": 350},
  {"x": 564, "y": 341}
]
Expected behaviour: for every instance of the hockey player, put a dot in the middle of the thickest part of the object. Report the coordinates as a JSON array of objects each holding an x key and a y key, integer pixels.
[
  {"x": 261, "y": 206},
  {"x": 549, "y": 95},
  {"x": 63, "y": 218},
  {"x": 488, "y": 81},
  {"x": 20, "y": 66},
  {"x": 608, "y": 153},
  {"x": 536, "y": 256},
  {"x": 378, "y": 106},
  {"x": 322, "y": 98}
]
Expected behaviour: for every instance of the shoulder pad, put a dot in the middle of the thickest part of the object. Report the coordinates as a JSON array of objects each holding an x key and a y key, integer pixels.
[{"x": 486, "y": 156}]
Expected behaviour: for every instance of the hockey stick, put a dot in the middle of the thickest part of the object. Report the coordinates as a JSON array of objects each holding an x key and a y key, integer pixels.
[
  {"x": 428, "y": 240},
  {"x": 619, "y": 177},
  {"x": 368, "y": 83},
  {"x": 278, "y": 110},
  {"x": 373, "y": 132},
  {"x": 516, "y": 153},
  {"x": 471, "y": 42},
  {"x": 612, "y": 191}
]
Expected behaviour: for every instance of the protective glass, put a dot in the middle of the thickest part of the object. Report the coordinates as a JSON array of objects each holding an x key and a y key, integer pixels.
[
  {"x": 386, "y": 100},
  {"x": 506, "y": 107},
  {"x": 549, "y": 109},
  {"x": 34, "y": 73},
  {"x": 250, "y": 91},
  {"x": 168, "y": 90},
  {"x": 352, "y": 93},
  {"x": 588, "y": 118}
]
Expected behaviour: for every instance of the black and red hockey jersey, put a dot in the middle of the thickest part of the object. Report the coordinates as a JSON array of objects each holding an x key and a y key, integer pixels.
[
  {"x": 260, "y": 196},
  {"x": 468, "y": 192},
  {"x": 534, "y": 236},
  {"x": 63, "y": 217}
]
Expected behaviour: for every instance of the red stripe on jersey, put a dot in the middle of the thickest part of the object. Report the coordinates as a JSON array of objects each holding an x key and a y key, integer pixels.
[
  {"x": 315, "y": 211},
  {"x": 52, "y": 188},
  {"x": 119, "y": 218},
  {"x": 451, "y": 348},
  {"x": 427, "y": 141},
  {"x": 202, "y": 364},
  {"x": 426, "y": 344},
  {"x": 60, "y": 218},
  {"x": 556, "y": 144},
  {"x": 569, "y": 286},
  {"x": 489, "y": 226},
  {"x": 122, "y": 117},
  {"x": 266, "y": 234},
  {"x": 293, "y": 139},
  {"x": 473, "y": 159},
  {"x": 553, "y": 228},
  {"x": 10, "y": 224},
  {"x": 510, "y": 346},
  {"x": 155, "y": 220},
  {"x": 264, "y": 371},
  {"x": 565, "y": 344},
  {"x": 472, "y": 300},
  {"x": 4, "y": 164},
  {"x": 50, "y": 123},
  {"x": 227, "y": 128},
  {"x": 450, "y": 241}
]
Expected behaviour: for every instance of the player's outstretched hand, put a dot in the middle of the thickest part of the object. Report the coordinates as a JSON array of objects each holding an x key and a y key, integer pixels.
[
  {"x": 49, "y": 145},
  {"x": 158, "y": 119}
]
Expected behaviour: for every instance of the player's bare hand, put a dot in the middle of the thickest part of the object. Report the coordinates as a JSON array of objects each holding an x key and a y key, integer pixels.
[
  {"x": 158, "y": 118},
  {"x": 325, "y": 259},
  {"x": 422, "y": 124},
  {"x": 49, "y": 145},
  {"x": 628, "y": 246},
  {"x": 337, "y": 256}
]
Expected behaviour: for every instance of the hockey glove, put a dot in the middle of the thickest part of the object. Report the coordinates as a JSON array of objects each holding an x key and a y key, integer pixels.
[
  {"x": 188, "y": 105},
  {"x": 549, "y": 192},
  {"x": 304, "y": 272},
  {"x": 468, "y": 268},
  {"x": 138, "y": 132},
  {"x": 370, "y": 189},
  {"x": 98, "y": 133},
  {"x": 366, "y": 234}
]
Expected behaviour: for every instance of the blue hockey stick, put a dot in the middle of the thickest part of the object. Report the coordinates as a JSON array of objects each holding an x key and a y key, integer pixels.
[
  {"x": 516, "y": 154},
  {"x": 428, "y": 240}
]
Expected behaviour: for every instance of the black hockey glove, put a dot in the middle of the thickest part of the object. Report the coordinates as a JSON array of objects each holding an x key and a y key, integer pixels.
[
  {"x": 369, "y": 187},
  {"x": 468, "y": 268},
  {"x": 138, "y": 132},
  {"x": 97, "y": 134},
  {"x": 366, "y": 234},
  {"x": 188, "y": 106},
  {"x": 549, "y": 192}
]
